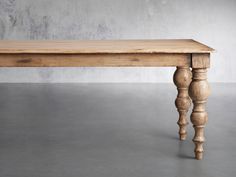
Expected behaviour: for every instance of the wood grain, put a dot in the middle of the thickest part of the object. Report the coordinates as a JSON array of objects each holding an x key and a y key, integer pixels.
[
  {"x": 200, "y": 60},
  {"x": 105, "y": 46},
  {"x": 199, "y": 91},
  {"x": 93, "y": 60},
  {"x": 182, "y": 79}
]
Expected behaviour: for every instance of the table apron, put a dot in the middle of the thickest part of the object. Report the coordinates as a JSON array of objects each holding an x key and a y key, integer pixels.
[{"x": 95, "y": 60}]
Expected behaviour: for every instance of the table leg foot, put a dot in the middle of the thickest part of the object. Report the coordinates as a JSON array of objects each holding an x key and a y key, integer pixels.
[
  {"x": 199, "y": 92},
  {"x": 182, "y": 78}
]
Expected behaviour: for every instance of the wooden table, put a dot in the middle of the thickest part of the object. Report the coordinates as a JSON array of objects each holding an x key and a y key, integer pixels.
[{"x": 182, "y": 54}]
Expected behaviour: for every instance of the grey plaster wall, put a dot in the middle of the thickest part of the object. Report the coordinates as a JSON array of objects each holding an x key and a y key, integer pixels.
[{"x": 209, "y": 21}]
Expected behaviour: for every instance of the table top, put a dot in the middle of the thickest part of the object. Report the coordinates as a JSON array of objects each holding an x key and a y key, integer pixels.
[{"x": 103, "y": 46}]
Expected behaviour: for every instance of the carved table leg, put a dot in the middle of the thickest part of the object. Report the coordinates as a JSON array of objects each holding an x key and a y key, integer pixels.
[
  {"x": 182, "y": 79},
  {"x": 199, "y": 92}
]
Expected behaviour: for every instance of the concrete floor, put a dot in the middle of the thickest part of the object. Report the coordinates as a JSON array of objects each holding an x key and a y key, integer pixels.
[{"x": 110, "y": 130}]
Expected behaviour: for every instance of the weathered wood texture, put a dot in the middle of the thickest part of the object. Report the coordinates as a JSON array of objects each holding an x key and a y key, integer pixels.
[
  {"x": 199, "y": 91},
  {"x": 105, "y": 46},
  {"x": 200, "y": 60},
  {"x": 182, "y": 80},
  {"x": 92, "y": 60}
]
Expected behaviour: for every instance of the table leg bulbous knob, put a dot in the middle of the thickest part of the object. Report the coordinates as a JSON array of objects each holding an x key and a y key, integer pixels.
[
  {"x": 199, "y": 92},
  {"x": 182, "y": 80}
]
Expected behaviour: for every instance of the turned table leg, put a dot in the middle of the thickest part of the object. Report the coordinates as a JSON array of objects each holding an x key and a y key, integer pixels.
[
  {"x": 182, "y": 79},
  {"x": 199, "y": 92}
]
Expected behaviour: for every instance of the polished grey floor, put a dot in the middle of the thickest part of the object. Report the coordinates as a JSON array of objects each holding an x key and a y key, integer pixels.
[{"x": 110, "y": 130}]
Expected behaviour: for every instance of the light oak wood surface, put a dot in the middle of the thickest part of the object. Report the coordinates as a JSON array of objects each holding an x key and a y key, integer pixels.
[
  {"x": 94, "y": 60},
  {"x": 105, "y": 46},
  {"x": 182, "y": 79},
  {"x": 183, "y": 54},
  {"x": 199, "y": 91}
]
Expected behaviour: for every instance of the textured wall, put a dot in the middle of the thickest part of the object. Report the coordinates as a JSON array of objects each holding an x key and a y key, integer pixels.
[{"x": 209, "y": 21}]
